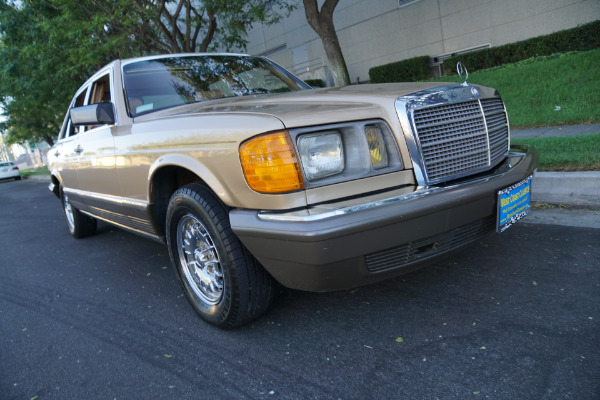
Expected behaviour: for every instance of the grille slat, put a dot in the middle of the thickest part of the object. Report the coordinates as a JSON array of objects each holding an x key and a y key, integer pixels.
[
  {"x": 468, "y": 155},
  {"x": 496, "y": 129},
  {"x": 449, "y": 121},
  {"x": 458, "y": 138},
  {"x": 407, "y": 253}
]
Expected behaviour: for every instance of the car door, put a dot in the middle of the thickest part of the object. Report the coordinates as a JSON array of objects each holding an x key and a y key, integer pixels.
[
  {"x": 64, "y": 154},
  {"x": 95, "y": 150}
]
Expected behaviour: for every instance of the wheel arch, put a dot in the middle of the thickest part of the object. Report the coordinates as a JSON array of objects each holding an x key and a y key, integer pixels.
[
  {"x": 172, "y": 172},
  {"x": 55, "y": 185}
]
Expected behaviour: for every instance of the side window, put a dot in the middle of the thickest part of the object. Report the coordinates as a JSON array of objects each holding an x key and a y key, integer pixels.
[
  {"x": 80, "y": 100},
  {"x": 100, "y": 94},
  {"x": 72, "y": 129},
  {"x": 68, "y": 128},
  {"x": 101, "y": 91}
]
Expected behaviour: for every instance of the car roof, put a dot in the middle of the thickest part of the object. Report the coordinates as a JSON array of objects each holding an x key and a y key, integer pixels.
[{"x": 161, "y": 56}]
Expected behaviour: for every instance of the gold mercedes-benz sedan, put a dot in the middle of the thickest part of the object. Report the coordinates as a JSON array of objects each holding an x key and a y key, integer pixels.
[{"x": 252, "y": 177}]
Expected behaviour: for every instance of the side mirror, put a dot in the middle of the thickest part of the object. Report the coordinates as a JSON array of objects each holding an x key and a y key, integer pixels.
[{"x": 94, "y": 114}]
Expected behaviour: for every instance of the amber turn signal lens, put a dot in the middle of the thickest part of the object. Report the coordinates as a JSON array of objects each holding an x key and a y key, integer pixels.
[
  {"x": 379, "y": 158},
  {"x": 270, "y": 163}
]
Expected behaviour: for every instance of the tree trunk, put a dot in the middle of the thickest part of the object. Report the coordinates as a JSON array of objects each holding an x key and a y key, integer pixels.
[
  {"x": 322, "y": 24},
  {"x": 49, "y": 140}
]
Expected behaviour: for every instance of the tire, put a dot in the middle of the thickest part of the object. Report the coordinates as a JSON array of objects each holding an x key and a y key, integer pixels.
[
  {"x": 80, "y": 225},
  {"x": 222, "y": 281}
]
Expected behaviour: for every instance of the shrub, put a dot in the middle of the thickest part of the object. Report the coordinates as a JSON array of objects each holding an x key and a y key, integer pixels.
[
  {"x": 410, "y": 70},
  {"x": 582, "y": 38},
  {"x": 315, "y": 82}
]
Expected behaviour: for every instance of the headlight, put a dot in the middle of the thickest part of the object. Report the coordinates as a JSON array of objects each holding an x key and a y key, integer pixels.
[
  {"x": 345, "y": 151},
  {"x": 321, "y": 154}
]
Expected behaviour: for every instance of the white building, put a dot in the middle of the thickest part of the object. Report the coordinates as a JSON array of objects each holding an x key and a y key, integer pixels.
[{"x": 376, "y": 32}]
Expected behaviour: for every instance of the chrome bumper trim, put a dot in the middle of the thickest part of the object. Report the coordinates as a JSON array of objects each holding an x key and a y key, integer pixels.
[
  {"x": 420, "y": 191},
  {"x": 270, "y": 216}
]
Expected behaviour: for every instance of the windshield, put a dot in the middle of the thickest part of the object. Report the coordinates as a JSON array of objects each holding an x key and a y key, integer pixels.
[{"x": 152, "y": 85}]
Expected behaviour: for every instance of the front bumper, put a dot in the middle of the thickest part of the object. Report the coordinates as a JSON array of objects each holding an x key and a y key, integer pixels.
[{"x": 365, "y": 242}]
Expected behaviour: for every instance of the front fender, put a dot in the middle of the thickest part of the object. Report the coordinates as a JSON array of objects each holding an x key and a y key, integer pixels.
[
  {"x": 55, "y": 183},
  {"x": 193, "y": 165}
]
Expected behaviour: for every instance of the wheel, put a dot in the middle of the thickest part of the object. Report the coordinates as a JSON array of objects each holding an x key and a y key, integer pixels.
[
  {"x": 222, "y": 281},
  {"x": 18, "y": 178},
  {"x": 79, "y": 225}
]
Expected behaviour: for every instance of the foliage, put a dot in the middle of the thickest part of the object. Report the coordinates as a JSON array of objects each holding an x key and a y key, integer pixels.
[
  {"x": 410, "y": 70},
  {"x": 48, "y": 48},
  {"x": 582, "y": 38},
  {"x": 561, "y": 89},
  {"x": 193, "y": 25},
  {"x": 573, "y": 153}
]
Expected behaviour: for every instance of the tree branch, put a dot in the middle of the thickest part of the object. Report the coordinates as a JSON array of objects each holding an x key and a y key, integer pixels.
[
  {"x": 212, "y": 27},
  {"x": 311, "y": 10},
  {"x": 328, "y": 8}
]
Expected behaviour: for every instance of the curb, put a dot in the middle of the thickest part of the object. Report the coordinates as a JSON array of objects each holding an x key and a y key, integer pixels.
[
  {"x": 569, "y": 188},
  {"x": 41, "y": 178}
]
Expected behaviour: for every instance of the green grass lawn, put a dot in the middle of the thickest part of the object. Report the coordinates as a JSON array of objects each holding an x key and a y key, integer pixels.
[
  {"x": 533, "y": 89},
  {"x": 33, "y": 171},
  {"x": 573, "y": 153}
]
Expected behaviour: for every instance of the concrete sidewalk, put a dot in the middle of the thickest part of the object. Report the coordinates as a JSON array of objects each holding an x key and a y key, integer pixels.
[
  {"x": 568, "y": 188},
  {"x": 554, "y": 131}
]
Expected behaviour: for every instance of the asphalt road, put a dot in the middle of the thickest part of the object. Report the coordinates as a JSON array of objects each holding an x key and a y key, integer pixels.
[{"x": 516, "y": 316}]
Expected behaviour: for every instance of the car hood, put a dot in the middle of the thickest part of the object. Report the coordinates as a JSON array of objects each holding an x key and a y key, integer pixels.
[{"x": 307, "y": 107}]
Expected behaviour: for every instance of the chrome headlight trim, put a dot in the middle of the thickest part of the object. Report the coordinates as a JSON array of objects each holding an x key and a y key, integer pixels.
[{"x": 357, "y": 155}]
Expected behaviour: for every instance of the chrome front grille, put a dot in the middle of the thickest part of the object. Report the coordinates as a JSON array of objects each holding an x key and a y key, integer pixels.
[
  {"x": 462, "y": 138},
  {"x": 497, "y": 126}
]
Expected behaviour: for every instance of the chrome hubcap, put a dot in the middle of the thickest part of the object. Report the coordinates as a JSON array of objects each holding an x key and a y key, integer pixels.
[
  {"x": 69, "y": 212},
  {"x": 199, "y": 260}
]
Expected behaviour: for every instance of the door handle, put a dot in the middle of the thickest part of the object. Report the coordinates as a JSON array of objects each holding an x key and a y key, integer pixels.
[{"x": 79, "y": 149}]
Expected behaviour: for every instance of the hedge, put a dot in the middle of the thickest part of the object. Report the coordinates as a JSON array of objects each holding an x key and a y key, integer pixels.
[
  {"x": 582, "y": 38},
  {"x": 410, "y": 70},
  {"x": 315, "y": 82}
]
